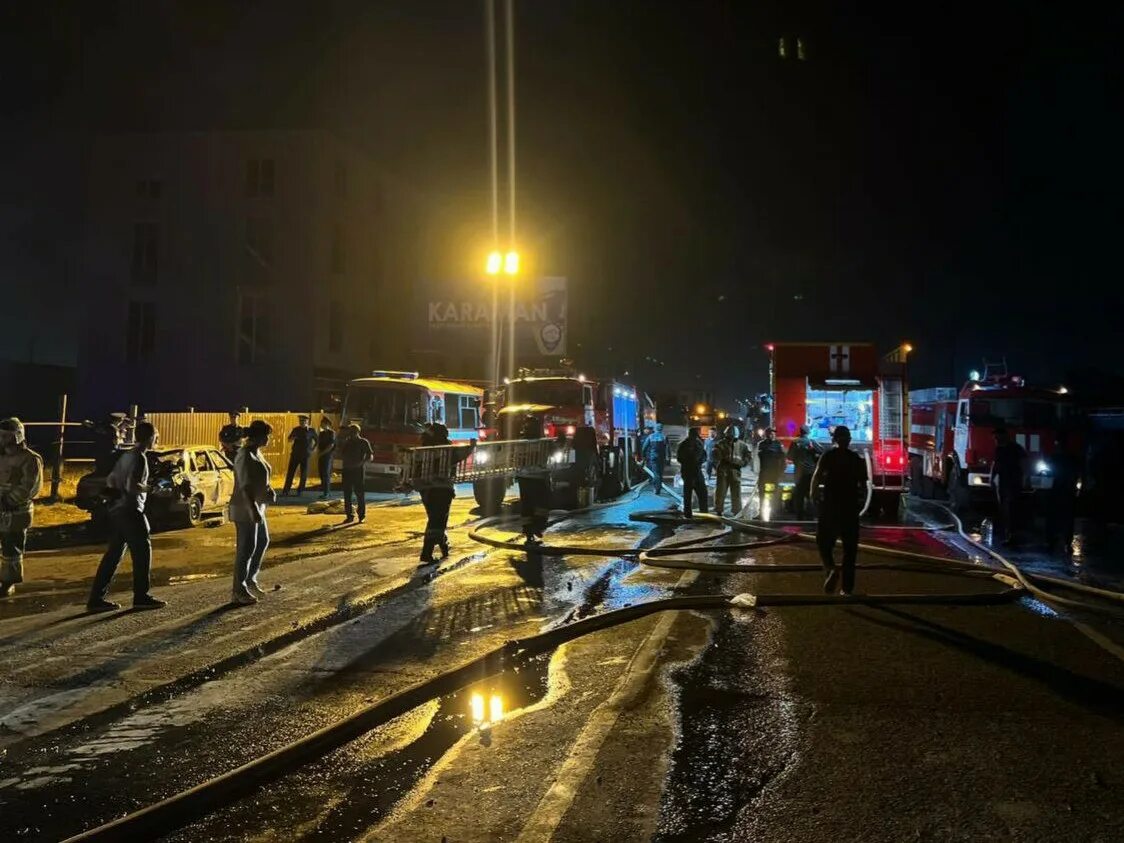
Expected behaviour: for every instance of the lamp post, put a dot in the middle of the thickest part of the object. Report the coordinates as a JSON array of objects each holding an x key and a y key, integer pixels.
[{"x": 500, "y": 263}]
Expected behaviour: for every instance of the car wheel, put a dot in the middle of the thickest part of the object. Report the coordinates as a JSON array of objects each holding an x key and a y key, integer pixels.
[{"x": 192, "y": 512}]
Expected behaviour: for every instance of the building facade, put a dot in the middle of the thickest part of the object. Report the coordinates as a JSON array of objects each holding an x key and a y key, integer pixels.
[{"x": 229, "y": 269}]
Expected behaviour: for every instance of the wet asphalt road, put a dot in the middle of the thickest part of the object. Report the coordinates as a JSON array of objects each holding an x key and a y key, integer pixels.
[{"x": 936, "y": 723}]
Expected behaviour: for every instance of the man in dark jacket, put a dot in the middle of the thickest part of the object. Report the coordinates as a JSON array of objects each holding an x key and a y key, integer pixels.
[
  {"x": 231, "y": 435},
  {"x": 325, "y": 446},
  {"x": 804, "y": 453},
  {"x": 355, "y": 453},
  {"x": 770, "y": 467},
  {"x": 691, "y": 454},
  {"x": 654, "y": 451},
  {"x": 841, "y": 474},
  {"x": 303, "y": 439},
  {"x": 1007, "y": 477},
  {"x": 1065, "y": 471},
  {"x": 535, "y": 487}
]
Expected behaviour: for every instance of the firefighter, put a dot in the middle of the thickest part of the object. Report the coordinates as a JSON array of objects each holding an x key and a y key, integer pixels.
[
  {"x": 731, "y": 454},
  {"x": 804, "y": 453},
  {"x": 325, "y": 446},
  {"x": 691, "y": 455},
  {"x": 534, "y": 487},
  {"x": 1065, "y": 469},
  {"x": 437, "y": 493},
  {"x": 303, "y": 439},
  {"x": 21, "y": 475},
  {"x": 1007, "y": 475},
  {"x": 654, "y": 452},
  {"x": 231, "y": 435},
  {"x": 711, "y": 441},
  {"x": 355, "y": 453},
  {"x": 770, "y": 466},
  {"x": 841, "y": 475}
]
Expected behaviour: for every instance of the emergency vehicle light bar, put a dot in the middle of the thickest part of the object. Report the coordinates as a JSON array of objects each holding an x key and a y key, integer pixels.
[{"x": 388, "y": 373}]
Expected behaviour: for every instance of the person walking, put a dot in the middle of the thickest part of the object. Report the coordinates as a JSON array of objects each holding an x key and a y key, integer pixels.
[
  {"x": 303, "y": 439},
  {"x": 711, "y": 441},
  {"x": 730, "y": 456},
  {"x": 691, "y": 455},
  {"x": 804, "y": 453},
  {"x": 535, "y": 487},
  {"x": 1007, "y": 476},
  {"x": 127, "y": 487},
  {"x": 654, "y": 452},
  {"x": 1065, "y": 470},
  {"x": 437, "y": 493},
  {"x": 21, "y": 477},
  {"x": 770, "y": 467},
  {"x": 355, "y": 453},
  {"x": 252, "y": 494},
  {"x": 231, "y": 435},
  {"x": 841, "y": 473},
  {"x": 325, "y": 446}
]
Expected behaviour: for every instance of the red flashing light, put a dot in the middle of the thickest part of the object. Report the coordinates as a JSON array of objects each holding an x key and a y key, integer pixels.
[{"x": 770, "y": 347}]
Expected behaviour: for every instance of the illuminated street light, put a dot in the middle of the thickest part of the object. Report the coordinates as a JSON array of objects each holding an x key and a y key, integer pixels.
[
  {"x": 495, "y": 263},
  {"x": 511, "y": 263},
  {"x": 907, "y": 348}
]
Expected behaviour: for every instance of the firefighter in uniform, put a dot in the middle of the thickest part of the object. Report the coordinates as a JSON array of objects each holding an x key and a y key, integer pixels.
[
  {"x": 804, "y": 453},
  {"x": 770, "y": 466},
  {"x": 654, "y": 452},
  {"x": 21, "y": 475},
  {"x": 1007, "y": 476},
  {"x": 841, "y": 474},
  {"x": 731, "y": 454},
  {"x": 691, "y": 455},
  {"x": 534, "y": 487},
  {"x": 437, "y": 493}
]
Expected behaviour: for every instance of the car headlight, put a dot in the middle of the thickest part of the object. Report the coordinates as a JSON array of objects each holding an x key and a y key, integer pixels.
[
  {"x": 1042, "y": 467},
  {"x": 482, "y": 457}
]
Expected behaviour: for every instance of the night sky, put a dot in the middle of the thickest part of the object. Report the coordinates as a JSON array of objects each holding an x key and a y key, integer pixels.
[{"x": 947, "y": 174}]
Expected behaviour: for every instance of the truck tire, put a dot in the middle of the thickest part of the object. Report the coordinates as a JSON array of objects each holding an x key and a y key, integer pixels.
[{"x": 489, "y": 494}]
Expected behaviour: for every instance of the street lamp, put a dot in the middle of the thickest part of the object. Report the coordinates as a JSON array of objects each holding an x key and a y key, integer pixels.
[{"x": 506, "y": 264}]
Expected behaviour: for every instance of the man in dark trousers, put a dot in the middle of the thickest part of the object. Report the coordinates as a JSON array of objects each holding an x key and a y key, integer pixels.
[
  {"x": 303, "y": 439},
  {"x": 691, "y": 454},
  {"x": 535, "y": 487},
  {"x": 1065, "y": 471},
  {"x": 804, "y": 453},
  {"x": 127, "y": 487},
  {"x": 770, "y": 467},
  {"x": 231, "y": 435},
  {"x": 1007, "y": 477},
  {"x": 325, "y": 445},
  {"x": 841, "y": 474},
  {"x": 355, "y": 453}
]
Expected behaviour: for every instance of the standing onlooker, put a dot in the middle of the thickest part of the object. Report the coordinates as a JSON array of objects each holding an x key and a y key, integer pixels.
[
  {"x": 709, "y": 444},
  {"x": 355, "y": 453},
  {"x": 770, "y": 466},
  {"x": 842, "y": 473},
  {"x": 252, "y": 493},
  {"x": 231, "y": 435},
  {"x": 804, "y": 452},
  {"x": 437, "y": 493},
  {"x": 691, "y": 454},
  {"x": 325, "y": 446},
  {"x": 1065, "y": 469},
  {"x": 303, "y": 439},
  {"x": 1007, "y": 476},
  {"x": 21, "y": 475},
  {"x": 654, "y": 452},
  {"x": 127, "y": 486}
]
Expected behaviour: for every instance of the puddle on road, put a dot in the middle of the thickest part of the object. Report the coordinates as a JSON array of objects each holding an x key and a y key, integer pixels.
[{"x": 380, "y": 783}]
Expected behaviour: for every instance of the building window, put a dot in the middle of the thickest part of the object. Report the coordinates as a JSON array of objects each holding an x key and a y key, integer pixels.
[
  {"x": 259, "y": 177},
  {"x": 259, "y": 239},
  {"x": 339, "y": 256},
  {"x": 341, "y": 179},
  {"x": 149, "y": 188},
  {"x": 146, "y": 246},
  {"x": 254, "y": 337},
  {"x": 140, "y": 339},
  {"x": 335, "y": 326}
]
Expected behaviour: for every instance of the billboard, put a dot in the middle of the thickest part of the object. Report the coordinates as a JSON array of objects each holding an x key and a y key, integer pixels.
[{"x": 457, "y": 317}]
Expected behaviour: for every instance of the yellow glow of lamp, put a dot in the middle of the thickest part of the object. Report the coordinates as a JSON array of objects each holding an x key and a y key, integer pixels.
[
  {"x": 907, "y": 348},
  {"x": 494, "y": 264},
  {"x": 511, "y": 263},
  {"x": 701, "y": 409}
]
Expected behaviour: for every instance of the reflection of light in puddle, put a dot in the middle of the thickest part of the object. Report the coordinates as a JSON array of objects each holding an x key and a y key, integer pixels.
[
  {"x": 494, "y": 709},
  {"x": 766, "y": 509}
]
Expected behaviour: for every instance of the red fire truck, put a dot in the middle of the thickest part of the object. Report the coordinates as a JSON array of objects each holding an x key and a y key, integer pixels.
[
  {"x": 391, "y": 408},
  {"x": 952, "y": 434},
  {"x": 564, "y": 402},
  {"x": 822, "y": 385}
]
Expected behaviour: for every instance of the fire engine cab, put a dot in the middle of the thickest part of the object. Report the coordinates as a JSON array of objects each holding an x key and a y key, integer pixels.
[
  {"x": 952, "y": 433},
  {"x": 823, "y": 385}
]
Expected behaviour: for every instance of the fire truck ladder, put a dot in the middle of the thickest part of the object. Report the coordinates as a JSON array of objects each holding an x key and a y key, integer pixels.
[{"x": 499, "y": 459}]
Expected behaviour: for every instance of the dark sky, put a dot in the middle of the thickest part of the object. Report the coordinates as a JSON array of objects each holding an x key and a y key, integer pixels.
[{"x": 947, "y": 174}]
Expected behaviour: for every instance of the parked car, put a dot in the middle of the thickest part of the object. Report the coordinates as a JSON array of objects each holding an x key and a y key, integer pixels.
[{"x": 188, "y": 482}]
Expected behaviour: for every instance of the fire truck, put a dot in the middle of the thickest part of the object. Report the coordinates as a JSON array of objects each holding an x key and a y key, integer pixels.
[
  {"x": 565, "y": 402},
  {"x": 952, "y": 433},
  {"x": 391, "y": 409},
  {"x": 822, "y": 385}
]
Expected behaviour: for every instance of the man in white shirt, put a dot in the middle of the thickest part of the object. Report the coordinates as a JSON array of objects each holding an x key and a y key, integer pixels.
[{"x": 127, "y": 485}]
